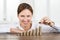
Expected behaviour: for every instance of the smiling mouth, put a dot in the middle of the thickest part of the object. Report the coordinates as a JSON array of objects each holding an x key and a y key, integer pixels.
[{"x": 25, "y": 22}]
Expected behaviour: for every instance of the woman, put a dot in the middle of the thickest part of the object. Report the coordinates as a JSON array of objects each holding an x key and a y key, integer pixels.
[{"x": 25, "y": 13}]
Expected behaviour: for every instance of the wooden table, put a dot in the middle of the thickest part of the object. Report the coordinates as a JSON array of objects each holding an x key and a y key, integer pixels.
[{"x": 44, "y": 36}]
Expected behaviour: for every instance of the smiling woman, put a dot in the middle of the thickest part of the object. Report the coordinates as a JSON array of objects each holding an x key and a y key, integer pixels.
[{"x": 25, "y": 14}]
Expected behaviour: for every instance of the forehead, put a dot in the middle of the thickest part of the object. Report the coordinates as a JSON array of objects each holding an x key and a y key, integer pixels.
[{"x": 25, "y": 12}]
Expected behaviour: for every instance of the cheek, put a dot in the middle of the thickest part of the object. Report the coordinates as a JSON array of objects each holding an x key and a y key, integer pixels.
[
  {"x": 25, "y": 20},
  {"x": 21, "y": 19},
  {"x": 29, "y": 19}
]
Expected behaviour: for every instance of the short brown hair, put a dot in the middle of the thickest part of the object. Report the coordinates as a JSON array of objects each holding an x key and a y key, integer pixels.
[{"x": 23, "y": 6}]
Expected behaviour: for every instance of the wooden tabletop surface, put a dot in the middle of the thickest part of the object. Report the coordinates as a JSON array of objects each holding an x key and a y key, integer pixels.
[{"x": 44, "y": 36}]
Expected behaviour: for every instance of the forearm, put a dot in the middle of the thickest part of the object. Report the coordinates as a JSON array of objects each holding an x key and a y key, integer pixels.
[{"x": 16, "y": 30}]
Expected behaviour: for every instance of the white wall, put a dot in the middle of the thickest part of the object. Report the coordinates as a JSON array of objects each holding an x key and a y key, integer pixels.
[
  {"x": 1, "y": 10},
  {"x": 40, "y": 9},
  {"x": 54, "y": 10},
  {"x": 12, "y": 10}
]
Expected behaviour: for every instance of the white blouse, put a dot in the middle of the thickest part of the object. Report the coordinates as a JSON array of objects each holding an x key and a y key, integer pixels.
[{"x": 44, "y": 28}]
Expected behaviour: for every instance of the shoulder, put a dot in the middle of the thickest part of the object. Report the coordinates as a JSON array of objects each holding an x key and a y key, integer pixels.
[{"x": 14, "y": 25}]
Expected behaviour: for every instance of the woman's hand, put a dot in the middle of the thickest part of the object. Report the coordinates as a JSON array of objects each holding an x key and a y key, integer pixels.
[
  {"x": 16, "y": 30},
  {"x": 47, "y": 21}
]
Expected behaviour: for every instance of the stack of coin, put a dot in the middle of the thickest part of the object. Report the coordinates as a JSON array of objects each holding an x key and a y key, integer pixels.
[{"x": 36, "y": 32}]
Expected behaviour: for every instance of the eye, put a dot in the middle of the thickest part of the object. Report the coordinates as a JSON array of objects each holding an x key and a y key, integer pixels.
[
  {"x": 28, "y": 15},
  {"x": 22, "y": 16}
]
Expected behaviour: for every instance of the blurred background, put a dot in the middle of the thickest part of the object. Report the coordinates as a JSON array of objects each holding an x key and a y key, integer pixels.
[{"x": 41, "y": 8}]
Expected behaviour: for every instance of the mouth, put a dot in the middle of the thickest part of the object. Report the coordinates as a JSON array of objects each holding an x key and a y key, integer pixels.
[{"x": 25, "y": 22}]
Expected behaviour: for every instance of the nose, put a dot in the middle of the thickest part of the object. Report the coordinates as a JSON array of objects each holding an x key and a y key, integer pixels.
[{"x": 25, "y": 18}]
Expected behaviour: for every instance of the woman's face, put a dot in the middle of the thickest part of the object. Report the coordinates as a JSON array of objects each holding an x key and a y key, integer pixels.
[{"x": 25, "y": 17}]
